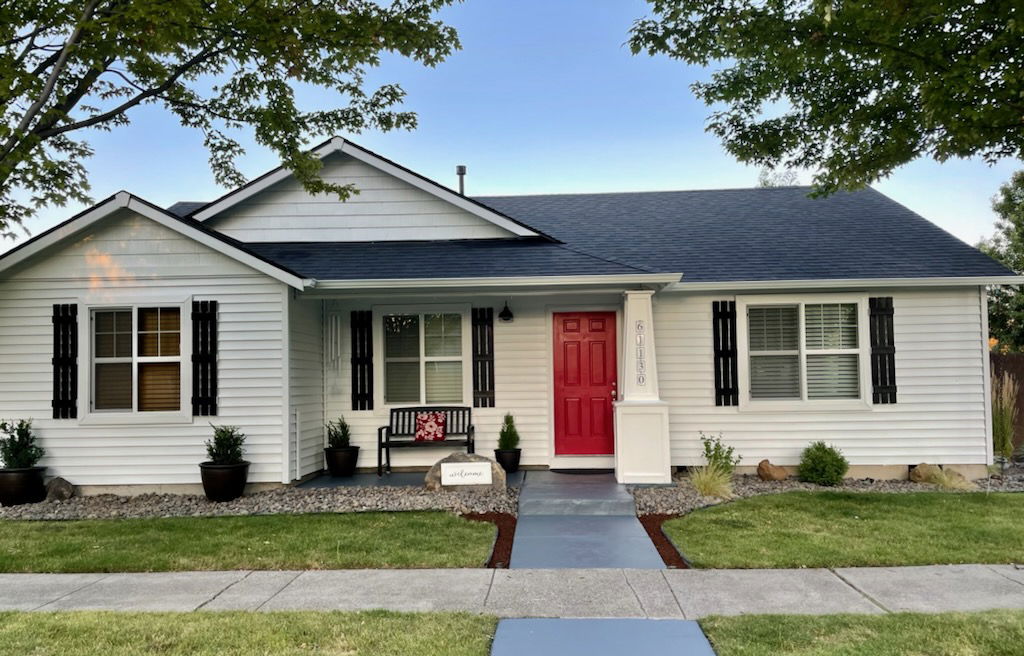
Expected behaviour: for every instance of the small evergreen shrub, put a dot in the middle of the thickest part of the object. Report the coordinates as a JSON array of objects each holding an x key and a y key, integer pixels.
[
  {"x": 822, "y": 464},
  {"x": 339, "y": 435},
  {"x": 712, "y": 481},
  {"x": 508, "y": 436},
  {"x": 226, "y": 446},
  {"x": 717, "y": 454},
  {"x": 18, "y": 448}
]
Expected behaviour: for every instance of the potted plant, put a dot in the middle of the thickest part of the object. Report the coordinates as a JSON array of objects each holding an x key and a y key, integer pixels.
[
  {"x": 508, "y": 451},
  {"x": 341, "y": 456},
  {"x": 21, "y": 481},
  {"x": 225, "y": 473}
]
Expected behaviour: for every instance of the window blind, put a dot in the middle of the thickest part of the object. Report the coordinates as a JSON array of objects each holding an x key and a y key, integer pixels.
[
  {"x": 833, "y": 376},
  {"x": 831, "y": 326}
]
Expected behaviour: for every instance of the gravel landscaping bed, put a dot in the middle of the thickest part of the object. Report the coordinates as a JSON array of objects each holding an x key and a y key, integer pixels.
[
  {"x": 287, "y": 500},
  {"x": 682, "y": 498}
]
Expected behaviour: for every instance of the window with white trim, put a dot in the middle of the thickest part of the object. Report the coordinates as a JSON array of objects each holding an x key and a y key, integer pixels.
[
  {"x": 136, "y": 359},
  {"x": 804, "y": 351},
  {"x": 423, "y": 358}
]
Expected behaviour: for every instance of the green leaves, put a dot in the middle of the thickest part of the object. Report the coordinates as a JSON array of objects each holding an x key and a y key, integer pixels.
[
  {"x": 1006, "y": 304},
  {"x": 864, "y": 87},
  {"x": 220, "y": 66}
]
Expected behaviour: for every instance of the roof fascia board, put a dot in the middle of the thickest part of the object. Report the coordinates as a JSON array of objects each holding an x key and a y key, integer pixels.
[
  {"x": 832, "y": 283},
  {"x": 124, "y": 200},
  {"x": 520, "y": 281},
  {"x": 339, "y": 145}
]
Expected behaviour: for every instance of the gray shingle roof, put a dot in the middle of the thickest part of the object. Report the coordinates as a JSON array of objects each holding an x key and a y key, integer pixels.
[
  {"x": 754, "y": 234},
  {"x": 718, "y": 235},
  {"x": 469, "y": 258}
]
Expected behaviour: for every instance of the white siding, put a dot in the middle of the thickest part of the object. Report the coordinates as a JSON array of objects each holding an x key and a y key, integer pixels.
[
  {"x": 132, "y": 258},
  {"x": 940, "y": 416},
  {"x": 522, "y": 362},
  {"x": 305, "y": 333},
  {"x": 385, "y": 209}
]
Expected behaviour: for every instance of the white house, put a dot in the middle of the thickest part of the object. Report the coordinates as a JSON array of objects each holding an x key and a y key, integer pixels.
[{"x": 636, "y": 321}]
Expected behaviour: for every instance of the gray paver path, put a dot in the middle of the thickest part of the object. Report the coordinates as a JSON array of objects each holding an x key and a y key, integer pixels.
[
  {"x": 600, "y": 637},
  {"x": 530, "y": 593},
  {"x": 579, "y": 521}
]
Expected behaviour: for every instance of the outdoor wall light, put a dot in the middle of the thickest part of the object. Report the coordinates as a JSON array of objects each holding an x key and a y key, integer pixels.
[{"x": 506, "y": 313}]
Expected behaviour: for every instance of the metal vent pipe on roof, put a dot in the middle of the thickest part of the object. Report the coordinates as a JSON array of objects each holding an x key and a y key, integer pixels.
[{"x": 460, "y": 170}]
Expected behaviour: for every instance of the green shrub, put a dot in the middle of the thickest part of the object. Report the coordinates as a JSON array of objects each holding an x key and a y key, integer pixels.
[
  {"x": 339, "y": 435},
  {"x": 712, "y": 481},
  {"x": 18, "y": 449},
  {"x": 717, "y": 454},
  {"x": 508, "y": 437},
  {"x": 1004, "y": 416},
  {"x": 822, "y": 464},
  {"x": 226, "y": 446}
]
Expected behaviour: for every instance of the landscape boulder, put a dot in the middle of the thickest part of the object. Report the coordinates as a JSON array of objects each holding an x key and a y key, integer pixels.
[
  {"x": 924, "y": 473},
  {"x": 958, "y": 481},
  {"x": 58, "y": 489},
  {"x": 433, "y": 478},
  {"x": 766, "y": 471}
]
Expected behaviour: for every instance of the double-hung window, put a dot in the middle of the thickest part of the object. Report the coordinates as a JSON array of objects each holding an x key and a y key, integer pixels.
[
  {"x": 136, "y": 359},
  {"x": 423, "y": 358},
  {"x": 804, "y": 351}
]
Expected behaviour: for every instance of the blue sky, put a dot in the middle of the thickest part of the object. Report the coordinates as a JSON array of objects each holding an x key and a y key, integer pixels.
[{"x": 543, "y": 97}]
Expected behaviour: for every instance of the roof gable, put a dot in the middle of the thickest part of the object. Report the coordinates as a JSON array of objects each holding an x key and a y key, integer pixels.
[
  {"x": 124, "y": 201},
  {"x": 394, "y": 203}
]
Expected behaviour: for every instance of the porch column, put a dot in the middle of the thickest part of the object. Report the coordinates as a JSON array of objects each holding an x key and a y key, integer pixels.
[{"x": 641, "y": 417}]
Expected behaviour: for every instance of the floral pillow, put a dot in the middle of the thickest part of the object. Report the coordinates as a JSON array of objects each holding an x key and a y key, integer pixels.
[{"x": 429, "y": 426}]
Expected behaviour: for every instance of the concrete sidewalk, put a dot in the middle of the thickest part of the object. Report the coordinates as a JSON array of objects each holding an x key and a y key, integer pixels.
[{"x": 582, "y": 593}]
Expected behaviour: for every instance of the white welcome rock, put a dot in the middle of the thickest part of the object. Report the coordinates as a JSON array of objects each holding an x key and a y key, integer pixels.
[{"x": 433, "y": 478}]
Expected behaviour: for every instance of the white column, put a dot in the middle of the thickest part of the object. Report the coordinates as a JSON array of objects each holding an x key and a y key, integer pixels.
[{"x": 641, "y": 417}]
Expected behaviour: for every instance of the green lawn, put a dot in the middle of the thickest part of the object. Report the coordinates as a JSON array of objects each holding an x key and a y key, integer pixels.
[
  {"x": 320, "y": 541},
  {"x": 993, "y": 633},
  {"x": 850, "y": 529},
  {"x": 375, "y": 633}
]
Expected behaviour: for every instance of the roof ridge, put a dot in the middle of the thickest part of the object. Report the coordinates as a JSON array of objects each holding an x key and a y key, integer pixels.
[{"x": 651, "y": 191}]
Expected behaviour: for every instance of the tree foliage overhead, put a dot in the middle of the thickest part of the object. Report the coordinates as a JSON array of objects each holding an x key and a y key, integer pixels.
[
  {"x": 850, "y": 89},
  {"x": 1006, "y": 304},
  {"x": 218, "y": 65}
]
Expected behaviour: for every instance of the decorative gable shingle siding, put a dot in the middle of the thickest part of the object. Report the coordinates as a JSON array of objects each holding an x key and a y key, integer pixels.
[
  {"x": 386, "y": 208},
  {"x": 940, "y": 417},
  {"x": 125, "y": 259}
]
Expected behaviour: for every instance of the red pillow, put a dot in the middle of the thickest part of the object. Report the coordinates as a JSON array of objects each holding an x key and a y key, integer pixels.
[{"x": 429, "y": 426}]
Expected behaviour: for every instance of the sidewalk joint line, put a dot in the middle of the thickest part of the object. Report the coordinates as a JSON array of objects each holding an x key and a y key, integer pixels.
[
  {"x": 280, "y": 590},
  {"x": 992, "y": 569},
  {"x": 78, "y": 589},
  {"x": 858, "y": 590},
  {"x": 673, "y": 591},
  {"x": 490, "y": 584},
  {"x": 223, "y": 590}
]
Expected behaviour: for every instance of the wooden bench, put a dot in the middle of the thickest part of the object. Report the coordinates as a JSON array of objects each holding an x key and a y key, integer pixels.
[{"x": 401, "y": 432}]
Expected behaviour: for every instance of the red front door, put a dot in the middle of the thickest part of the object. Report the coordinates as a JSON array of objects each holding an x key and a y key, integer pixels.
[{"x": 585, "y": 379}]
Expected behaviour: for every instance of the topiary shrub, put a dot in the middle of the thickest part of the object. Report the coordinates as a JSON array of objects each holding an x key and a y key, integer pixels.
[
  {"x": 226, "y": 446},
  {"x": 18, "y": 450},
  {"x": 508, "y": 436},
  {"x": 822, "y": 464}
]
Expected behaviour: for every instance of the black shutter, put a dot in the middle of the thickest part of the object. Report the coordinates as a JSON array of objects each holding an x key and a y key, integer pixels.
[
  {"x": 362, "y": 360},
  {"x": 483, "y": 357},
  {"x": 204, "y": 358},
  {"x": 65, "y": 361},
  {"x": 883, "y": 351},
  {"x": 724, "y": 335}
]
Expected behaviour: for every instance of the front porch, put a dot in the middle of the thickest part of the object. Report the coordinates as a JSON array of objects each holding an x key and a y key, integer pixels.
[{"x": 573, "y": 363}]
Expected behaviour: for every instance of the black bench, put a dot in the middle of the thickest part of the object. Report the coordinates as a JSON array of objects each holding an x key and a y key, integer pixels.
[{"x": 401, "y": 432}]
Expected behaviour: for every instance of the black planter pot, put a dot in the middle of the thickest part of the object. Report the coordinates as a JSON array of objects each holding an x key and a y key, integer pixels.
[
  {"x": 224, "y": 482},
  {"x": 18, "y": 486},
  {"x": 341, "y": 460},
  {"x": 508, "y": 459}
]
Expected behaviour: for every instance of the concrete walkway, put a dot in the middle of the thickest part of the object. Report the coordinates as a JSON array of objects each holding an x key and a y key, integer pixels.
[
  {"x": 579, "y": 521},
  {"x": 577, "y": 593},
  {"x": 600, "y": 637}
]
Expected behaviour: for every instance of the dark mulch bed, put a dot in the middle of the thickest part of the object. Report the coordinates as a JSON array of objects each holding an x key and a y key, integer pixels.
[
  {"x": 506, "y": 524},
  {"x": 666, "y": 549}
]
